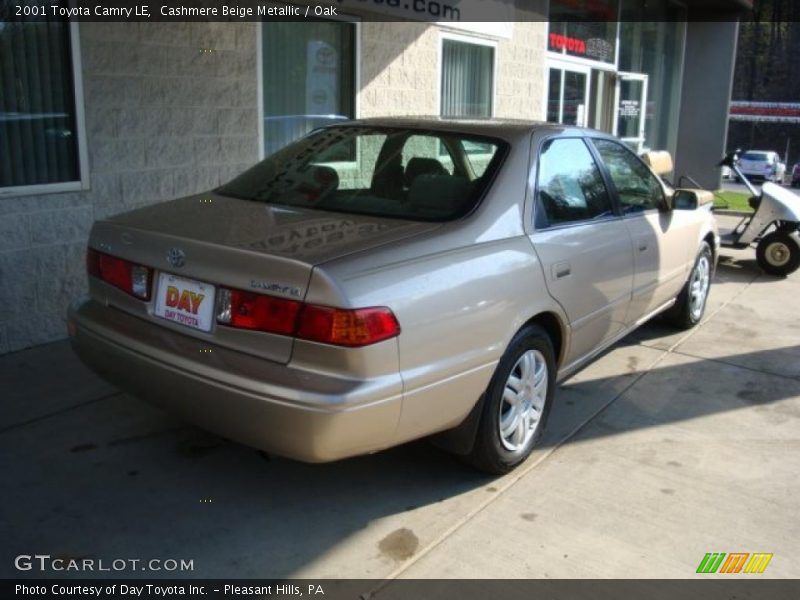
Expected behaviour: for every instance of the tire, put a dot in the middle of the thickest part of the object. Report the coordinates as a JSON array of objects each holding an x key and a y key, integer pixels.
[
  {"x": 528, "y": 363},
  {"x": 690, "y": 306},
  {"x": 778, "y": 254}
]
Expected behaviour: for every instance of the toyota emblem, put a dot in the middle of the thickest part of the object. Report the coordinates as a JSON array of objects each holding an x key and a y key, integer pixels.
[{"x": 176, "y": 257}]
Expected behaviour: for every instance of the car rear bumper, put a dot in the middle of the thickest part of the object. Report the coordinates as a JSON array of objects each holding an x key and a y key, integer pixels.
[{"x": 296, "y": 413}]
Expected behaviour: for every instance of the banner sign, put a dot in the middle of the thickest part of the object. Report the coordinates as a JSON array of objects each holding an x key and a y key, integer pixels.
[{"x": 765, "y": 112}]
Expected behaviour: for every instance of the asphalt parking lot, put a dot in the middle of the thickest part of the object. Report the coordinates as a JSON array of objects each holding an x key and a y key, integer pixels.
[{"x": 670, "y": 446}]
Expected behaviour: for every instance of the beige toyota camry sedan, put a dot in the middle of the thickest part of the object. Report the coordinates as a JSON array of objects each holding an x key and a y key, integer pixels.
[{"x": 384, "y": 280}]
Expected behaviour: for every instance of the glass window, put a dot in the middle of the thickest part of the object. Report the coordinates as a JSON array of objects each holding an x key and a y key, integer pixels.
[
  {"x": 568, "y": 108},
  {"x": 554, "y": 96},
  {"x": 309, "y": 79},
  {"x": 570, "y": 187},
  {"x": 38, "y": 121},
  {"x": 651, "y": 41},
  {"x": 574, "y": 110},
  {"x": 359, "y": 171},
  {"x": 397, "y": 173},
  {"x": 427, "y": 147},
  {"x": 467, "y": 79},
  {"x": 629, "y": 109},
  {"x": 637, "y": 187},
  {"x": 762, "y": 156}
]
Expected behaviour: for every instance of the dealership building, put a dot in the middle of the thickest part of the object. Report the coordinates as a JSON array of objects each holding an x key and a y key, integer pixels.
[{"x": 97, "y": 118}]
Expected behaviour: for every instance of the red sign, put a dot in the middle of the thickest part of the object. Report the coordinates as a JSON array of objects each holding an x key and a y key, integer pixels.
[{"x": 560, "y": 42}]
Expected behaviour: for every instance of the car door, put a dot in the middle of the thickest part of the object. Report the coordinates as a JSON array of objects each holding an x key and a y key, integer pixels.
[
  {"x": 582, "y": 243},
  {"x": 664, "y": 241}
]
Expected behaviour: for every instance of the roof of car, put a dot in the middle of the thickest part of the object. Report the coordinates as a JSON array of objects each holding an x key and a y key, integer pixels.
[{"x": 503, "y": 128}]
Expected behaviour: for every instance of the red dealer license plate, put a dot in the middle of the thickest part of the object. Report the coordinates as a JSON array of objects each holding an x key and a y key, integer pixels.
[{"x": 185, "y": 301}]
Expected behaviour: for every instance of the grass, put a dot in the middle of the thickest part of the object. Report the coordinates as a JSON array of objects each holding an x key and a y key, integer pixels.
[{"x": 731, "y": 200}]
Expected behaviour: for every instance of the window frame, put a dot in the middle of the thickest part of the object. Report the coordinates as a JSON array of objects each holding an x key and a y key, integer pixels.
[
  {"x": 82, "y": 183},
  {"x": 616, "y": 213},
  {"x": 610, "y": 182},
  {"x": 351, "y": 19},
  {"x": 475, "y": 41}
]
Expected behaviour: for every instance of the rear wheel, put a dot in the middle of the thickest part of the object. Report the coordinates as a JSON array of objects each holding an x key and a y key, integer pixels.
[
  {"x": 516, "y": 403},
  {"x": 691, "y": 302},
  {"x": 778, "y": 254}
]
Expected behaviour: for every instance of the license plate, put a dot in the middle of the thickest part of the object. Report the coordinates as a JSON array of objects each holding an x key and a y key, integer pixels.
[{"x": 185, "y": 301}]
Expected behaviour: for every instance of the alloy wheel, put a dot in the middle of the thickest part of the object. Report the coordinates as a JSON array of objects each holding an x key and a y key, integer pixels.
[
  {"x": 523, "y": 400},
  {"x": 698, "y": 288}
]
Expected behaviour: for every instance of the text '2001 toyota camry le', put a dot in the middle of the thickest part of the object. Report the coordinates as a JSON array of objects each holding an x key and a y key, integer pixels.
[{"x": 383, "y": 280}]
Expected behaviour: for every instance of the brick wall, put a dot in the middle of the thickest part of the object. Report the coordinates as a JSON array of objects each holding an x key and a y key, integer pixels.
[{"x": 171, "y": 109}]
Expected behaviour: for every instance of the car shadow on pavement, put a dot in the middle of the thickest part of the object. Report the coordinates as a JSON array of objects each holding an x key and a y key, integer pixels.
[{"x": 118, "y": 479}]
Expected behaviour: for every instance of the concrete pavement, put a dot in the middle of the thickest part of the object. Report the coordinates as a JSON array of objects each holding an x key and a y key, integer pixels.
[{"x": 669, "y": 446}]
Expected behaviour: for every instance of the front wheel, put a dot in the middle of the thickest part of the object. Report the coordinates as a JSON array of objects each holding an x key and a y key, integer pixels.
[
  {"x": 516, "y": 403},
  {"x": 778, "y": 254},
  {"x": 690, "y": 304}
]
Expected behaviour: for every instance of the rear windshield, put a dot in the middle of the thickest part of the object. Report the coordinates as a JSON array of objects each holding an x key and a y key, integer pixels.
[
  {"x": 385, "y": 172},
  {"x": 755, "y": 156}
]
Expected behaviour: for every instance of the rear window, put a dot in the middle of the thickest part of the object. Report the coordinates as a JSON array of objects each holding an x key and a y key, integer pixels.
[
  {"x": 385, "y": 172},
  {"x": 755, "y": 156}
]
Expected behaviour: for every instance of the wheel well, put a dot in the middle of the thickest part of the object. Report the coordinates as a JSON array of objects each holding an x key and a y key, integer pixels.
[{"x": 552, "y": 325}]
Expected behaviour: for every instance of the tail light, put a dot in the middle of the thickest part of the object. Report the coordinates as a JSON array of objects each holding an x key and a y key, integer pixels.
[
  {"x": 130, "y": 277},
  {"x": 335, "y": 326},
  {"x": 340, "y": 327},
  {"x": 246, "y": 310}
]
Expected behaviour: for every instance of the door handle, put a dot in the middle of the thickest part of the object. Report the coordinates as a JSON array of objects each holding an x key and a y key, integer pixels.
[
  {"x": 562, "y": 269},
  {"x": 642, "y": 244}
]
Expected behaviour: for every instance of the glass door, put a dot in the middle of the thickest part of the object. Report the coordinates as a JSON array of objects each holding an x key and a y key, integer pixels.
[
  {"x": 631, "y": 103},
  {"x": 568, "y": 95}
]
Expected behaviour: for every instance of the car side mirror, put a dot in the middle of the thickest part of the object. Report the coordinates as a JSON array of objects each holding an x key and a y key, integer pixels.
[
  {"x": 684, "y": 200},
  {"x": 691, "y": 199}
]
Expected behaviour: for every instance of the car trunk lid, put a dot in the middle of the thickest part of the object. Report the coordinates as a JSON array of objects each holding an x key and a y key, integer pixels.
[{"x": 198, "y": 244}]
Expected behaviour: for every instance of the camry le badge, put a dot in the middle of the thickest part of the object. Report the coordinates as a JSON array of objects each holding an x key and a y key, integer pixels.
[{"x": 176, "y": 257}]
